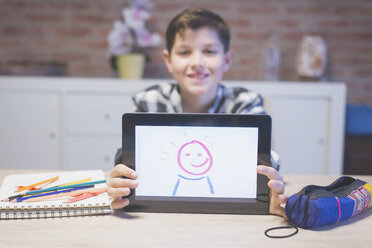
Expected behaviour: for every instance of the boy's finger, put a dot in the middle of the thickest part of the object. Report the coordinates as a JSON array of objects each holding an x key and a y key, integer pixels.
[
  {"x": 123, "y": 170},
  {"x": 119, "y": 203},
  {"x": 118, "y": 192},
  {"x": 276, "y": 186},
  {"x": 122, "y": 183},
  {"x": 270, "y": 172},
  {"x": 283, "y": 199}
]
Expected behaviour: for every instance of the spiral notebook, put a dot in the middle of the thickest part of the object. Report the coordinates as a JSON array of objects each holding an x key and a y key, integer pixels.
[{"x": 97, "y": 204}]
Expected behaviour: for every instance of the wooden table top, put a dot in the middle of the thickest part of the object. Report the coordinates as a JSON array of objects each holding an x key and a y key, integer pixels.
[{"x": 184, "y": 230}]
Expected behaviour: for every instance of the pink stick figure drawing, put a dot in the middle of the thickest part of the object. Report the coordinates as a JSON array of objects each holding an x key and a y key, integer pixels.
[{"x": 195, "y": 159}]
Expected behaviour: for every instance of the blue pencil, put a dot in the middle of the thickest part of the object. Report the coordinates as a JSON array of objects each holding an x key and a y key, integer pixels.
[{"x": 51, "y": 193}]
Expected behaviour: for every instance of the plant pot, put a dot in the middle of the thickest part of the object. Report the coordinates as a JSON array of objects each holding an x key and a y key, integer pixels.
[{"x": 131, "y": 66}]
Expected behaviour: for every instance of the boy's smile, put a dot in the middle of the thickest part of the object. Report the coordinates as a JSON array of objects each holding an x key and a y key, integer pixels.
[
  {"x": 198, "y": 62},
  {"x": 198, "y": 75}
]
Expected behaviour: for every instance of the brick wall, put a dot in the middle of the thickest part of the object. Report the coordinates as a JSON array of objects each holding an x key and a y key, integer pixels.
[{"x": 72, "y": 33}]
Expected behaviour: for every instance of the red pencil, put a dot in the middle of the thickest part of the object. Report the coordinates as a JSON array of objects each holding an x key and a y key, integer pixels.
[{"x": 81, "y": 197}]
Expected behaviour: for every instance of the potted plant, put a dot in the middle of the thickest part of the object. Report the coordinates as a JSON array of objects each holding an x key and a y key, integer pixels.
[{"x": 127, "y": 37}]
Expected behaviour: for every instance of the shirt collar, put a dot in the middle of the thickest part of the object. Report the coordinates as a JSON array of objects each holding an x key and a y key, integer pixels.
[
  {"x": 177, "y": 103},
  {"x": 217, "y": 100},
  {"x": 175, "y": 98}
]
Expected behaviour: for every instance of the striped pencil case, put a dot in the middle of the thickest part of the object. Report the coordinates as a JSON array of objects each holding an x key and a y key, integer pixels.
[{"x": 315, "y": 206}]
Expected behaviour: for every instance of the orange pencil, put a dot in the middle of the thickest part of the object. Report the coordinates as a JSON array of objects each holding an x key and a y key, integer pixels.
[
  {"x": 36, "y": 184},
  {"x": 74, "y": 193}
]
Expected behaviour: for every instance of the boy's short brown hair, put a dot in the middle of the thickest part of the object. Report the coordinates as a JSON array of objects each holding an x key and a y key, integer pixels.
[{"x": 194, "y": 19}]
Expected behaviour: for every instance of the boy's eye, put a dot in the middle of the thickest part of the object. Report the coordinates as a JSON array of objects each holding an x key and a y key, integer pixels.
[
  {"x": 183, "y": 52},
  {"x": 210, "y": 51}
]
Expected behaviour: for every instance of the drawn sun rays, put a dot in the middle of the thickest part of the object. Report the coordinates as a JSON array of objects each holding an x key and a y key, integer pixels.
[{"x": 168, "y": 154}]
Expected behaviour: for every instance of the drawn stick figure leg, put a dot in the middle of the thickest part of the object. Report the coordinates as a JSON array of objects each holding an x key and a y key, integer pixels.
[
  {"x": 176, "y": 187},
  {"x": 210, "y": 185}
]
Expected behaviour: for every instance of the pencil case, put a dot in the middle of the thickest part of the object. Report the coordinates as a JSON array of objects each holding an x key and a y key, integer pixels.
[{"x": 316, "y": 206}]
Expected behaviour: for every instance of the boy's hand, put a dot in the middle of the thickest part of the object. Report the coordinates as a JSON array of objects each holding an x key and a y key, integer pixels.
[
  {"x": 119, "y": 187},
  {"x": 276, "y": 186}
]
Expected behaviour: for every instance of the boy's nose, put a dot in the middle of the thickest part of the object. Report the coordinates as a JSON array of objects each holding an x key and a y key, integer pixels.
[{"x": 198, "y": 60}]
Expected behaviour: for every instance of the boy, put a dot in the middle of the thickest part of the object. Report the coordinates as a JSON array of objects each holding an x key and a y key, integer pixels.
[{"x": 197, "y": 56}]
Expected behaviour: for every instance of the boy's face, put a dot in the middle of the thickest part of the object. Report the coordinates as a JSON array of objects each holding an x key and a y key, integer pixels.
[{"x": 198, "y": 62}]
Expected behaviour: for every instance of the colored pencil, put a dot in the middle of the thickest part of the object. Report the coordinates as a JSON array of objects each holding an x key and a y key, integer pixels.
[
  {"x": 36, "y": 184},
  {"x": 64, "y": 187},
  {"x": 83, "y": 197},
  {"x": 73, "y": 193},
  {"x": 10, "y": 198},
  {"x": 80, "y": 197},
  {"x": 75, "y": 182},
  {"x": 50, "y": 193}
]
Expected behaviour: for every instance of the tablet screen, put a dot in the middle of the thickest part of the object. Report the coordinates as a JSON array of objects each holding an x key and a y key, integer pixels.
[{"x": 183, "y": 161}]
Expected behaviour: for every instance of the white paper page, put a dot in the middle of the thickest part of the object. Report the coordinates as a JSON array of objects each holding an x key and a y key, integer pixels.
[{"x": 196, "y": 161}]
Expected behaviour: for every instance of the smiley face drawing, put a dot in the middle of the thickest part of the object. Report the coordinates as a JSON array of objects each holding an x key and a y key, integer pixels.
[{"x": 195, "y": 159}]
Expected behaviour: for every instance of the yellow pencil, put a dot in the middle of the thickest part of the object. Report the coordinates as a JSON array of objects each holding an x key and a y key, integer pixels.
[{"x": 75, "y": 182}]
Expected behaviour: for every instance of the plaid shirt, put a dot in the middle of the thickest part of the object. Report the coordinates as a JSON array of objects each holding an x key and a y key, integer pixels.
[{"x": 165, "y": 97}]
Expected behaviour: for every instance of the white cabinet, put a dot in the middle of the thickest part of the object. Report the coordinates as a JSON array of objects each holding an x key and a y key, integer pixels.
[
  {"x": 75, "y": 123},
  {"x": 302, "y": 147},
  {"x": 94, "y": 128},
  {"x": 92, "y": 152},
  {"x": 308, "y": 123},
  {"x": 94, "y": 114},
  {"x": 29, "y": 130}
]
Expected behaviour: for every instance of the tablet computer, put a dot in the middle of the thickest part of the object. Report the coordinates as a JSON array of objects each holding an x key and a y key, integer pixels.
[{"x": 198, "y": 163}]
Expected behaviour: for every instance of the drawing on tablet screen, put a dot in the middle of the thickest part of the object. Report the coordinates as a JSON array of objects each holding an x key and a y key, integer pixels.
[{"x": 195, "y": 159}]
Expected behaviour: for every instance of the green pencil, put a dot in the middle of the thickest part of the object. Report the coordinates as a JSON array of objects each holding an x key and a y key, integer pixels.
[{"x": 64, "y": 187}]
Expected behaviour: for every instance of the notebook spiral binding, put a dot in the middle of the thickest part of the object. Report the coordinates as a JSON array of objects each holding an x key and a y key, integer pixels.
[{"x": 52, "y": 211}]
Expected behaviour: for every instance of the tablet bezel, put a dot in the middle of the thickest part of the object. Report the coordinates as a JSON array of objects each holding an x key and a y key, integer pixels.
[{"x": 259, "y": 205}]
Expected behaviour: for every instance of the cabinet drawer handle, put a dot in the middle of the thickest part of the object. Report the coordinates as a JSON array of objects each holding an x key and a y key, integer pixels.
[
  {"x": 107, "y": 116},
  {"x": 52, "y": 135},
  {"x": 106, "y": 158}
]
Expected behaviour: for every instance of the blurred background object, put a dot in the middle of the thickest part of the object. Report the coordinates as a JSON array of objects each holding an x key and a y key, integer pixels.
[
  {"x": 73, "y": 33},
  {"x": 128, "y": 40},
  {"x": 311, "y": 58},
  {"x": 270, "y": 64},
  {"x": 358, "y": 140}
]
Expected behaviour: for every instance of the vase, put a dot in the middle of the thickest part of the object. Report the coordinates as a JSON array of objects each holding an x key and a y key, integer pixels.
[
  {"x": 271, "y": 59},
  {"x": 131, "y": 65},
  {"x": 312, "y": 58}
]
